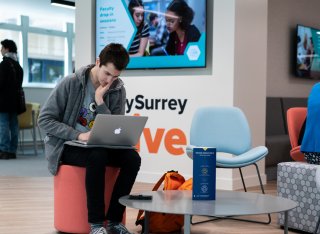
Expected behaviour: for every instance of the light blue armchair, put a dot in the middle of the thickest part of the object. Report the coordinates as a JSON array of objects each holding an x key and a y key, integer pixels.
[{"x": 227, "y": 130}]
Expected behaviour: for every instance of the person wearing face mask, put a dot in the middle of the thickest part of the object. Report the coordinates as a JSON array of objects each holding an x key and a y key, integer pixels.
[
  {"x": 69, "y": 114},
  {"x": 179, "y": 17},
  {"x": 140, "y": 41},
  {"x": 11, "y": 76}
]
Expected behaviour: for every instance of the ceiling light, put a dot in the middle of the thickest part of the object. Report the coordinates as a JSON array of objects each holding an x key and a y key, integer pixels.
[{"x": 63, "y": 3}]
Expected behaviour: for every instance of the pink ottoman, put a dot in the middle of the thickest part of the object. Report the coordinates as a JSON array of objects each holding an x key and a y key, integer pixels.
[{"x": 70, "y": 201}]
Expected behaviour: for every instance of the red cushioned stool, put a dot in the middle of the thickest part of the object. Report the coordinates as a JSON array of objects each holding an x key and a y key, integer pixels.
[{"x": 70, "y": 200}]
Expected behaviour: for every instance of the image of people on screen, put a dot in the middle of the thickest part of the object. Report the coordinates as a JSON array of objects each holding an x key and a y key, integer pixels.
[
  {"x": 305, "y": 51},
  {"x": 179, "y": 17},
  {"x": 158, "y": 34},
  {"x": 140, "y": 42}
]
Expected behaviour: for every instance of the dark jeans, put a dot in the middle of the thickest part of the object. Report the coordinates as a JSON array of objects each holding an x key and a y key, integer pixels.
[
  {"x": 9, "y": 132},
  {"x": 95, "y": 160}
]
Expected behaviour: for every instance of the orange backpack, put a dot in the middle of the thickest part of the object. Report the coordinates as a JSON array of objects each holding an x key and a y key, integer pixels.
[{"x": 161, "y": 222}]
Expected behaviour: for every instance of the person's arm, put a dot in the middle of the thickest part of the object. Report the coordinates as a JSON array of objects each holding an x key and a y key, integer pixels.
[
  {"x": 115, "y": 101},
  {"x": 142, "y": 47},
  {"x": 143, "y": 41},
  {"x": 102, "y": 97},
  {"x": 52, "y": 113},
  {"x": 2, "y": 76},
  {"x": 6, "y": 72}
]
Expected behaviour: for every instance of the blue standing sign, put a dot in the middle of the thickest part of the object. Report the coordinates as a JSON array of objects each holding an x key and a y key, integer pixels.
[{"x": 204, "y": 173}]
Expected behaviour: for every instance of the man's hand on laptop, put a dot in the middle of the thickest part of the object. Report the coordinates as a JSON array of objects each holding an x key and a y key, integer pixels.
[{"x": 84, "y": 136}]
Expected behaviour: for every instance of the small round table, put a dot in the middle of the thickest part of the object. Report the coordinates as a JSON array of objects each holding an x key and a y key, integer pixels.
[{"x": 227, "y": 203}]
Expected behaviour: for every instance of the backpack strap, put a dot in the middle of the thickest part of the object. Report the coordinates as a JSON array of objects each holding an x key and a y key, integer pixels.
[
  {"x": 157, "y": 185},
  {"x": 155, "y": 188}
]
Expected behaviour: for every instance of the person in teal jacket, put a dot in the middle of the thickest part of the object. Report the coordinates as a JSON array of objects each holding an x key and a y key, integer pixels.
[{"x": 310, "y": 145}]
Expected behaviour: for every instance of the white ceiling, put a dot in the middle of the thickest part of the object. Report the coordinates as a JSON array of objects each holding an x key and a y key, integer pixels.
[{"x": 37, "y": 8}]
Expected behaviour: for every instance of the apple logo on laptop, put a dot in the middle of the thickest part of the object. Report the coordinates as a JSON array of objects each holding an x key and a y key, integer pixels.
[{"x": 117, "y": 131}]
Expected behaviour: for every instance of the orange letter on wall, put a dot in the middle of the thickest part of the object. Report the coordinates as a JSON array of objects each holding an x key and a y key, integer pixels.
[
  {"x": 153, "y": 145},
  {"x": 175, "y": 137}
]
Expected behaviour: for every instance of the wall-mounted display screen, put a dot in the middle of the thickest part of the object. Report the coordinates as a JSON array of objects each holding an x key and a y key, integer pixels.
[
  {"x": 156, "y": 33},
  {"x": 45, "y": 70},
  {"x": 308, "y": 52}
]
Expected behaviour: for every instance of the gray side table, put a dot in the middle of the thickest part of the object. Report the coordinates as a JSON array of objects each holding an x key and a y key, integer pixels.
[{"x": 227, "y": 203}]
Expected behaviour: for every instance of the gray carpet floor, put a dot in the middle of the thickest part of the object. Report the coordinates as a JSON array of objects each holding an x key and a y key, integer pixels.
[{"x": 26, "y": 164}]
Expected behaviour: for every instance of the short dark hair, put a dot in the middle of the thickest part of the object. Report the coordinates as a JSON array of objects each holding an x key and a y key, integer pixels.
[
  {"x": 10, "y": 45},
  {"x": 181, "y": 8},
  {"x": 116, "y": 54}
]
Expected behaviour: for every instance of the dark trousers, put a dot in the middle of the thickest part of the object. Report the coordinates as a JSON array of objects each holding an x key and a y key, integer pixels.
[{"x": 95, "y": 161}]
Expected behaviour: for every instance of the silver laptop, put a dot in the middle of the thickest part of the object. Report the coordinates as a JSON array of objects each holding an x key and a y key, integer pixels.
[{"x": 114, "y": 131}]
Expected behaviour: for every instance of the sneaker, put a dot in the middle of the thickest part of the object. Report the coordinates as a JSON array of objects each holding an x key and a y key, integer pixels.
[
  {"x": 117, "y": 228},
  {"x": 100, "y": 230}
]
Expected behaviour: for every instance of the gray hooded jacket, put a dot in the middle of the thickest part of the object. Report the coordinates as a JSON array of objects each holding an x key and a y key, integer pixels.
[{"x": 59, "y": 114}]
